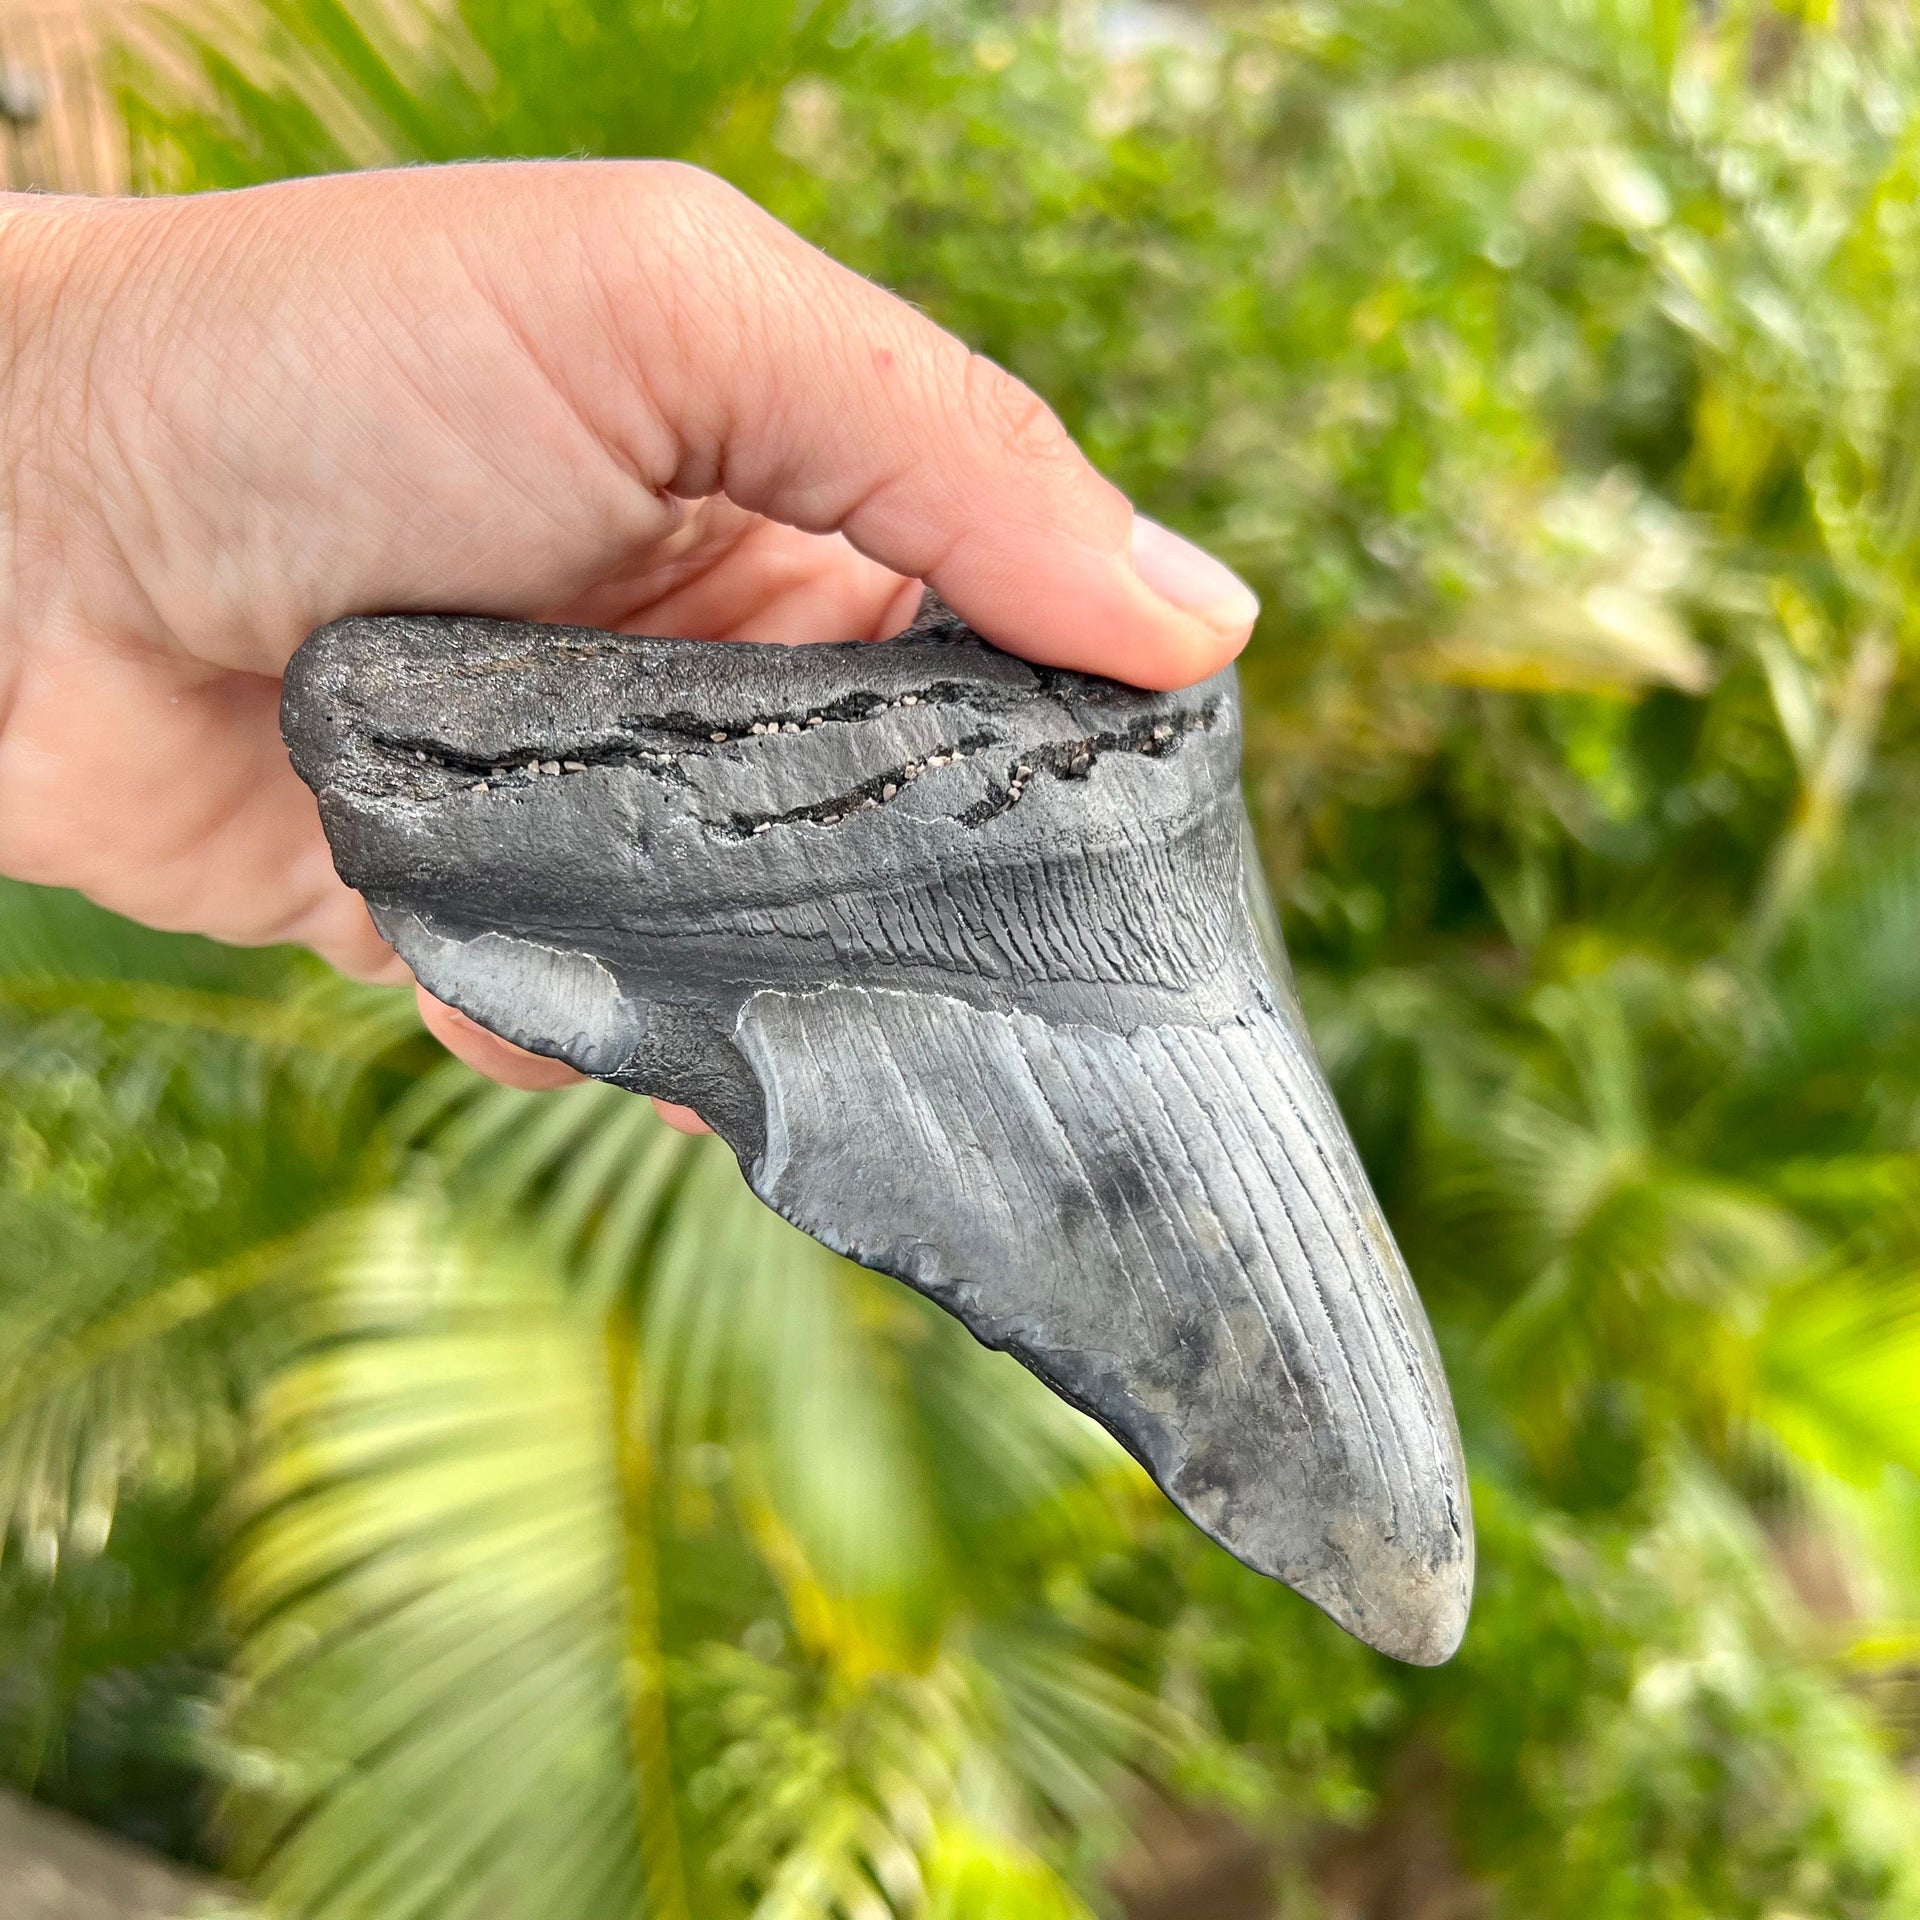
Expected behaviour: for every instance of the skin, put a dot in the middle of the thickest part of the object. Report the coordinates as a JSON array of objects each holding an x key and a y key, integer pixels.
[{"x": 617, "y": 394}]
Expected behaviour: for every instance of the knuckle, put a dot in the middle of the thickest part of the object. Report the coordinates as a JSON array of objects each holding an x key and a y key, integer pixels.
[
  {"x": 701, "y": 193},
  {"x": 712, "y": 240},
  {"x": 706, "y": 221},
  {"x": 680, "y": 175}
]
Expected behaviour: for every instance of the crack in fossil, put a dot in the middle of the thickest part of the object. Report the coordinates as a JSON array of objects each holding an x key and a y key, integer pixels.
[
  {"x": 695, "y": 735},
  {"x": 862, "y": 704},
  {"x": 1064, "y": 759},
  {"x": 877, "y": 790},
  {"x": 483, "y": 773},
  {"x": 1076, "y": 759}
]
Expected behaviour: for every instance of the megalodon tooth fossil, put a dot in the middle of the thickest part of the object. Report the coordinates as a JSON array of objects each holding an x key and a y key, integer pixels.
[{"x": 969, "y": 962}]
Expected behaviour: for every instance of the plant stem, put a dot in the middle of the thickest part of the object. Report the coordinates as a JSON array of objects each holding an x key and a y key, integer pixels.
[
  {"x": 642, "y": 1669},
  {"x": 1829, "y": 790}
]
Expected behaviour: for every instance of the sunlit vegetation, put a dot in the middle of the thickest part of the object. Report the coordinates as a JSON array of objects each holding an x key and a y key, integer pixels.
[{"x": 489, "y": 1511}]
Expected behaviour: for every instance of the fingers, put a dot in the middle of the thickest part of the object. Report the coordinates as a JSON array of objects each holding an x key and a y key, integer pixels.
[
  {"x": 162, "y": 791},
  {"x": 727, "y": 574},
  {"x": 819, "y": 400},
  {"x": 483, "y": 387},
  {"x": 512, "y": 1066},
  {"x": 487, "y": 1053}
]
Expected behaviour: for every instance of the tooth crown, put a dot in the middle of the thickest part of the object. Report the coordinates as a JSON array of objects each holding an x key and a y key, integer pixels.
[{"x": 958, "y": 955}]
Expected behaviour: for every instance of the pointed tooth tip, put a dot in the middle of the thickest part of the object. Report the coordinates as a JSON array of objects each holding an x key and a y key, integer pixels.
[
  {"x": 1422, "y": 1623},
  {"x": 1392, "y": 1566},
  {"x": 1407, "y": 1604}
]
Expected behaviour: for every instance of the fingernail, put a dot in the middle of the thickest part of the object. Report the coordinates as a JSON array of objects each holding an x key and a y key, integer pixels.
[{"x": 1193, "y": 581}]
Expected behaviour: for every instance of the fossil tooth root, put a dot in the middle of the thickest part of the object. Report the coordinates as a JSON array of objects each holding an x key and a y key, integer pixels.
[{"x": 965, "y": 960}]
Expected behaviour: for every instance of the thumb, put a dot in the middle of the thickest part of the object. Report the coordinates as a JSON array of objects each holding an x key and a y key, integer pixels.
[{"x": 811, "y": 396}]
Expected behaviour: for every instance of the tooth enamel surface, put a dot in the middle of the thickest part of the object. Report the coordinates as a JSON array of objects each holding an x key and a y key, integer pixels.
[{"x": 1014, "y": 1040}]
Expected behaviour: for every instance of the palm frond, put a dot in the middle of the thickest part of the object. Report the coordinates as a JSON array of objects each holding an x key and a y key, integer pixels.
[
  {"x": 977, "y": 1875},
  {"x": 1839, "y": 1380},
  {"x": 591, "y": 1170},
  {"x": 447, "y": 1637},
  {"x": 324, "y": 85},
  {"x": 175, "y": 1124},
  {"x": 430, "y": 1580},
  {"x": 763, "y": 1343}
]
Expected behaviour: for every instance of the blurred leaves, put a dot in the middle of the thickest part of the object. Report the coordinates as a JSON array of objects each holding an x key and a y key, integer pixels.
[
  {"x": 594, "y": 1543},
  {"x": 432, "y": 1593}
]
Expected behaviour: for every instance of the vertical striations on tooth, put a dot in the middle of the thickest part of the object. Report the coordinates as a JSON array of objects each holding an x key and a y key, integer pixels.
[
  {"x": 970, "y": 970},
  {"x": 1186, "y": 1250}
]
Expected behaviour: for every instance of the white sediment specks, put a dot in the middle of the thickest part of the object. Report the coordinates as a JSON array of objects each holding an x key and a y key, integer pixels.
[
  {"x": 829, "y": 819},
  {"x": 888, "y": 791},
  {"x": 421, "y": 757},
  {"x": 718, "y": 739},
  {"x": 1163, "y": 731},
  {"x": 573, "y": 766},
  {"x": 816, "y": 719},
  {"x": 792, "y": 726},
  {"x": 481, "y": 787},
  {"x": 909, "y": 699},
  {"x": 764, "y": 826}
]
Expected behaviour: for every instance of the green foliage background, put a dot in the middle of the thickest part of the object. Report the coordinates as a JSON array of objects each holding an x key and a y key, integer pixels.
[{"x": 472, "y": 1504}]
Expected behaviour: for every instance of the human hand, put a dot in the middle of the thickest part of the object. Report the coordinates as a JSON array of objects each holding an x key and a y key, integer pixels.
[{"x": 614, "y": 394}]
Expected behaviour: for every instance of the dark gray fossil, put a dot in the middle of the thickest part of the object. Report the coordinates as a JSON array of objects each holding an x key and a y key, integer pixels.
[{"x": 966, "y": 960}]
